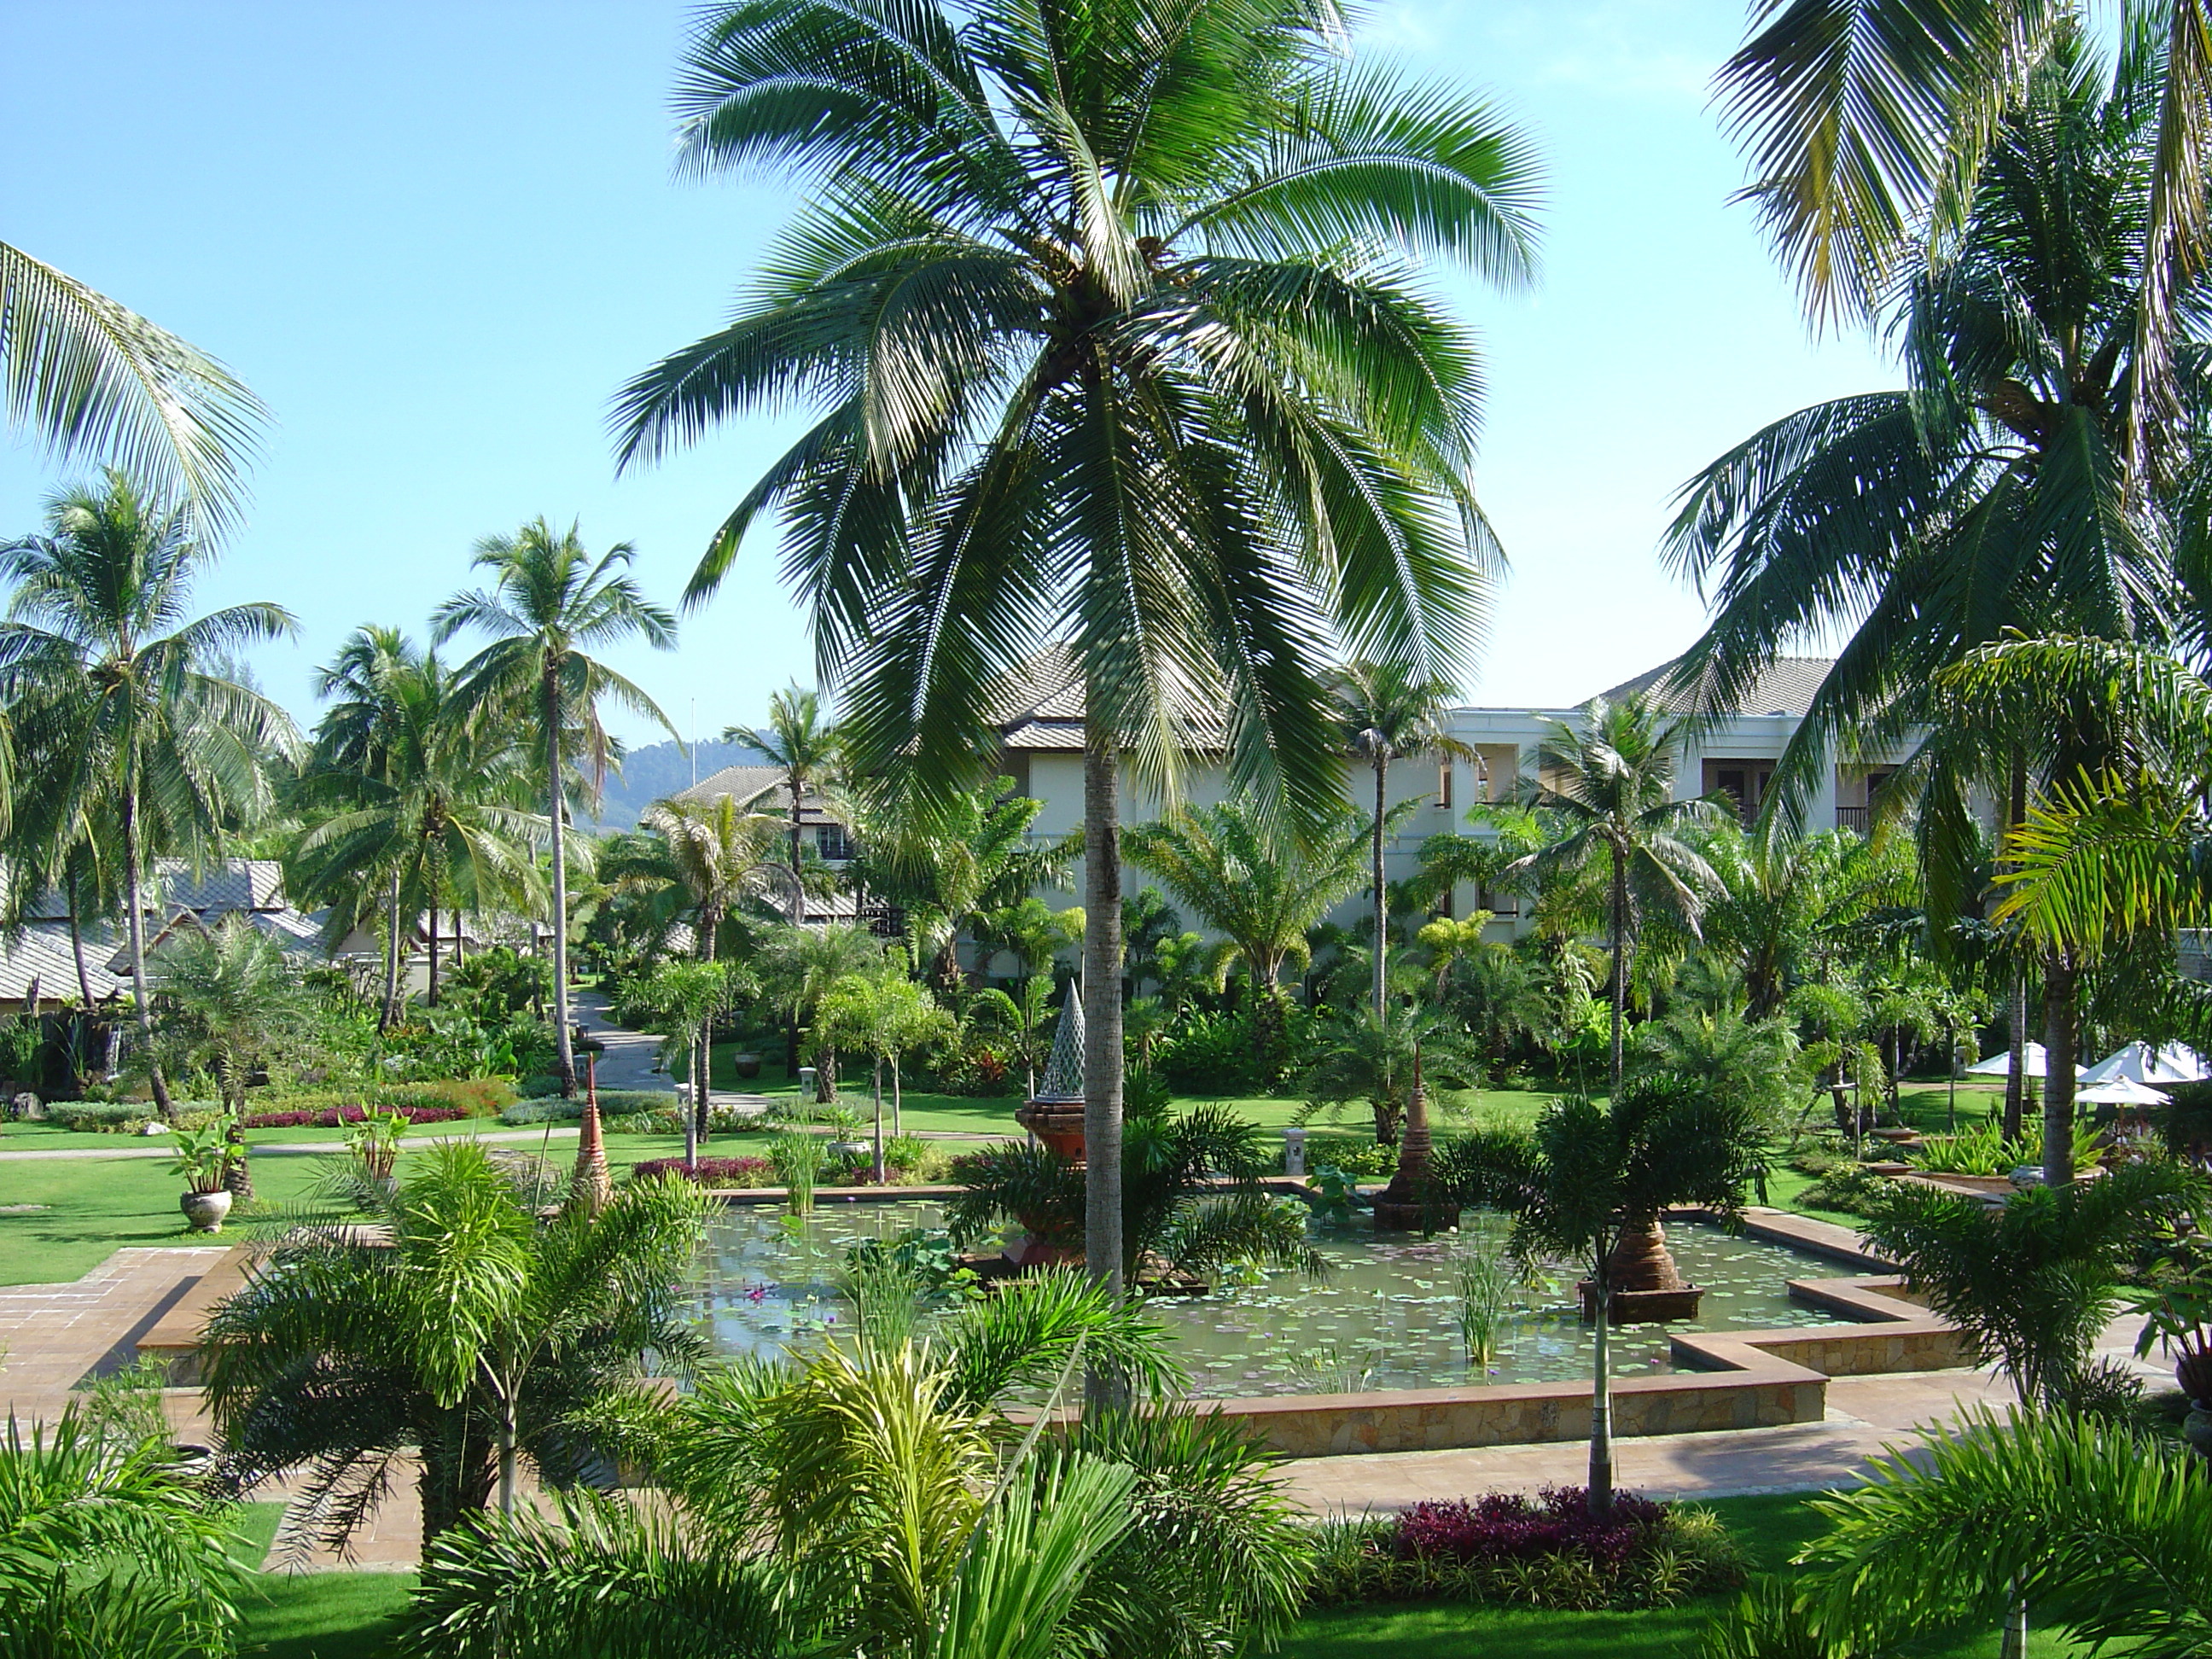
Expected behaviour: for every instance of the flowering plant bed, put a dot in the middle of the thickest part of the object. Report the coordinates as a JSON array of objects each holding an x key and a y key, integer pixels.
[
  {"x": 1547, "y": 1551},
  {"x": 332, "y": 1117},
  {"x": 711, "y": 1171}
]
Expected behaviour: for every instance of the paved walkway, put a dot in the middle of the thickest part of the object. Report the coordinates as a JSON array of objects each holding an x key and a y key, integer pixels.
[{"x": 285, "y": 1148}]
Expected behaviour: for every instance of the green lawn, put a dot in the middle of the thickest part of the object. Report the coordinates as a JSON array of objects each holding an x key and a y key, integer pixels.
[{"x": 49, "y": 1137}]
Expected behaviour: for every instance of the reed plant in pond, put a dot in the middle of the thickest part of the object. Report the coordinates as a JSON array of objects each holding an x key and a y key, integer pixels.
[{"x": 797, "y": 1159}]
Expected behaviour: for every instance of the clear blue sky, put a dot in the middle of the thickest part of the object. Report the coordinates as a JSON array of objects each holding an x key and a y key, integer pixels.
[{"x": 436, "y": 238}]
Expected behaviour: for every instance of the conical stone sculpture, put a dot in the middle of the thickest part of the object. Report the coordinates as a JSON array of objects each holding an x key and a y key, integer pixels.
[
  {"x": 1410, "y": 1203},
  {"x": 1054, "y": 1114}
]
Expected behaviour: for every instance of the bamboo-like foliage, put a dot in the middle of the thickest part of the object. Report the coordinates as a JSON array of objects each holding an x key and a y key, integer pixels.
[
  {"x": 2105, "y": 1533},
  {"x": 91, "y": 378}
]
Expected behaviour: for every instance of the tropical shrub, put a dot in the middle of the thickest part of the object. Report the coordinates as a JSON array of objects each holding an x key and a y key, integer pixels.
[
  {"x": 332, "y": 1117},
  {"x": 613, "y": 1102},
  {"x": 1549, "y": 1551}
]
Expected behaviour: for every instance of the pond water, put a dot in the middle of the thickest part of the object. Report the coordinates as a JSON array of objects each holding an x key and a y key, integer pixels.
[{"x": 1386, "y": 1315}]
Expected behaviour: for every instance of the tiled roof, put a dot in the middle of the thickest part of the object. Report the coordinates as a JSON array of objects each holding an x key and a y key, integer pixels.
[
  {"x": 756, "y": 788},
  {"x": 1784, "y": 686},
  {"x": 1041, "y": 706},
  {"x": 41, "y": 952}
]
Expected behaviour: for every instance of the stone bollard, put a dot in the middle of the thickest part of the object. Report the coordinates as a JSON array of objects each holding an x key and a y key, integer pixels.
[{"x": 1294, "y": 1151}]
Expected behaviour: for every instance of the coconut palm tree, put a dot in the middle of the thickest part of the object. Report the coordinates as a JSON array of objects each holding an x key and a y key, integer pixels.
[
  {"x": 800, "y": 741},
  {"x": 1257, "y": 888},
  {"x": 551, "y": 604},
  {"x": 704, "y": 860},
  {"x": 1167, "y": 403},
  {"x": 2095, "y": 716},
  {"x": 1384, "y": 714},
  {"x": 439, "y": 812},
  {"x": 1612, "y": 778},
  {"x": 1589, "y": 1182},
  {"x": 1868, "y": 121},
  {"x": 470, "y": 1339},
  {"x": 1990, "y": 493},
  {"x": 91, "y": 378},
  {"x": 123, "y": 700}
]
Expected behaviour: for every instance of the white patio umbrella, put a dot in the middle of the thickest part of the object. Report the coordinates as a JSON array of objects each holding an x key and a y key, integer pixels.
[
  {"x": 2121, "y": 1091},
  {"x": 1998, "y": 1065},
  {"x": 2144, "y": 1062}
]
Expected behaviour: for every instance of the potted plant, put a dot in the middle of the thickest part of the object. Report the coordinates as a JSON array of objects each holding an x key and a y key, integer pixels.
[
  {"x": 746, "y": 1064},
  {"x": 202, "y": 1158}
]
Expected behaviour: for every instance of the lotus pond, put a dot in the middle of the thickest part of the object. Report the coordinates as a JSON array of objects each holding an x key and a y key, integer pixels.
[{"x": 1386, "y": 1315}]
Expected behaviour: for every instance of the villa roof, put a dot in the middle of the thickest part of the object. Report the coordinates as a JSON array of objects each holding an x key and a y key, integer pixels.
[
  {"x": 756, "y": 788},
  {"x": 1040, "y": 706},
  {"x": 1785, "y": 686}
]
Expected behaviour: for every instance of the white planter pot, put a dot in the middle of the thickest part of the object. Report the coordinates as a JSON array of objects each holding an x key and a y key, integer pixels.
[{"x": 204, "y": 1212}]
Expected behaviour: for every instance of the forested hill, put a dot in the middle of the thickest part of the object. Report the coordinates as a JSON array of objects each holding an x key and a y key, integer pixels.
[{"x": 660, "y": 769}]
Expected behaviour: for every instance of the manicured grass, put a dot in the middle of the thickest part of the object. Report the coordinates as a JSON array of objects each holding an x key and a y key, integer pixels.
[
  {"x": 322, "y": 1615},
  {"x": 50, "y": 1136}
]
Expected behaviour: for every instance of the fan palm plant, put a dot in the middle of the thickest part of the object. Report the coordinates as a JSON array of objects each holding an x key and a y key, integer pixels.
[
  {"x": 90, "y": 376},
  {"x": 800, "y": 741},
  {"x": 475, "y": 1336},
  {"x": 1385, "y": 715},
  {"x": 1612, "y": 777},
  {"x": 1589, "y": 1182},
  {"x": 551, "y": 604},
  {"x": 1870, "y": 121},
  {"x": 109, "y": 1549},
  {"x": 1171, "y": 398},
  {"x": 1260, "y": 889},
  {"x": 121, "y": 700}
]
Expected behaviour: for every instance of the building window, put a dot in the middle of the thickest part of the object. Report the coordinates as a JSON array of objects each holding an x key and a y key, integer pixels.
[
  {"x": 1444, "y": 786},
  {"x": 1744, "y": 781},
  {"x": 831, "y": 842}
]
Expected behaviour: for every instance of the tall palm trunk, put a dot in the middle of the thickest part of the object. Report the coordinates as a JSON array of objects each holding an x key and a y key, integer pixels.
[
  {"x": 77, "y": 942},
  {"x": 1620, "y": 963},
  {"x": 431, "y": 996},
  {"x": 1101, "y": 1002},
  {"x": 1601, "y": 1445},
  {"x": 2061, "y": 1040},
  {"x": 798, "y": 919},
  {"x": 1381, "y": 898},
  {"x": 564, "y": 1043},
  {"x": 2015, "y": 1099},
  {"x": 134, "y": 909},
  {"x": 390, "y": 1012}
]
